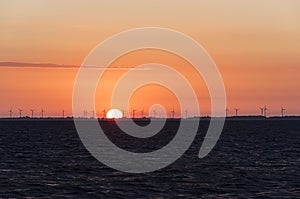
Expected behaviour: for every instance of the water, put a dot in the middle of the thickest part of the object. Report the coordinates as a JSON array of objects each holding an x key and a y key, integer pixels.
[{"x": 254, "y": 158}]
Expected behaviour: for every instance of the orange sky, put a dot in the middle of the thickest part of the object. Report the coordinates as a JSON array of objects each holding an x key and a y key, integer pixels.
[{"x": 255, "y": 44}]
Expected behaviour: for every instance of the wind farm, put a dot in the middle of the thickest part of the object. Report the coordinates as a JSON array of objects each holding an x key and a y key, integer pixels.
[{"x": 281, "y": 113}]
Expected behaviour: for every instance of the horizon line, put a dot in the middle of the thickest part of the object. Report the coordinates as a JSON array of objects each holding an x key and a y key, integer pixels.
[{"x": 105, "y": 118}]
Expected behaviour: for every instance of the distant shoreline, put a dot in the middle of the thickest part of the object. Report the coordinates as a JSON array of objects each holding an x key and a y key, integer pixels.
[{"x": 232, "y": 118}]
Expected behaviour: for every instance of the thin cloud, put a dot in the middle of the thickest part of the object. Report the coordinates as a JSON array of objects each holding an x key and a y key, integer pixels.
[
  {"x": 35, "y": 65},
  {"x": 51, "y": 65}
]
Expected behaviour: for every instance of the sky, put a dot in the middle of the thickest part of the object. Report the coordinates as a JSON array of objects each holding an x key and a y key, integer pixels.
[{"x": 255, "y": 44}]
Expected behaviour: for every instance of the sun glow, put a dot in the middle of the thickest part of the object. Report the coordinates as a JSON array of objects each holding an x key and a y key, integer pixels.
[{"x": 114, "y": 113}]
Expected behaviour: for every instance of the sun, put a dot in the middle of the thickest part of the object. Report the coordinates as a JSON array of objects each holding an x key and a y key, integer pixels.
[{"x": 114, "y": 113}]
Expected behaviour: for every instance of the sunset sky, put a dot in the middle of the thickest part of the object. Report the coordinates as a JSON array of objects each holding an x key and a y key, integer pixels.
[{"x": 255, "y": 44}]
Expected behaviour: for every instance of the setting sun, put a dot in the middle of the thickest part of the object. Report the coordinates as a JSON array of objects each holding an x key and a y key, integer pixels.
[{"x": 114, "y": 113}]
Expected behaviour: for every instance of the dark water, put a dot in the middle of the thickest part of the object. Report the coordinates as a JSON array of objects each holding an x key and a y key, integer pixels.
[{"x": 251, "y": 159}]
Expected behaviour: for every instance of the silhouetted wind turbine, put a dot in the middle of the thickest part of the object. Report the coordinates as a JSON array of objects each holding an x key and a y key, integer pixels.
[
  {"x": 282, "y": 111},
  {"x": 236, "y": 111},
  {"x": 186, "y": 113},
  {"x": 227, "y": 111},
  {"x": 265, "y": 110},
  {"x": 42, "y": 112},
  {"x": 173, "y": 113},
  {"x": 32, "y": 112},
  {"x": 85, "y": 113},
  {"x": 154, "y": 113},
  {"x": 142, "y": 112},
  {"x": 63, "y": 113},
  {"x": 10, "y": 112},
  {"x": 104, "y": 113},
  {"x": 261, "y": 111},
  {"x": 133, "y": 113},
  {"x": 20, "y": 112}
]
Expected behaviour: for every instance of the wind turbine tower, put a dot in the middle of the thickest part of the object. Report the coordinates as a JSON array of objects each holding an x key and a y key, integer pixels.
[
  {"x": 10, "y": 112},
  {"x": 104, "y": 113},
  {"x": 236, "y": 111},
  {"x": 20, "y": 112},
  {"x": 133, "y": 113},
  {"x": 85, "y": 113},
  {"x": 227, "y": 111},
  {"x": 32, "y": 112},
  {"x": 42, "y": 112},
  {"x": 142, "y": 112},
  {"x": 282, "y": 111},
  {"x": 173, "y": 113},
  {"x": 154, "y": 113},
  {"x": 265, "y": 111},
  {"x": 261, "y": 111}
]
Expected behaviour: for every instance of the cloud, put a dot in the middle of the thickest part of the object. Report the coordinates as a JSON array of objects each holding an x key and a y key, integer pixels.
[
  {"x": 34, "y": 65},
  {"x": 51, "y": 65}
]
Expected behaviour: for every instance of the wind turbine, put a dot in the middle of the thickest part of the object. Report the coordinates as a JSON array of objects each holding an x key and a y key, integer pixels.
[
  {"x": 133, "y": 113},
  {"x": 42, "y": 112},
  {"x": 142, "y": 112},
  {"x": 173, "y": 113},
  {"x": 236, "y": 111},
  {"x": 154, "y": 113},
  {"x": 265, "y": 110},
  {"x": 104, "y": 113},
  {"x": 20, "y": 112},
  {"x": 123, "y": 113},
  {"x": 32, "y": 112},
  {"x": 227, "y": 111},
  {"x": 85, "y": 113},
  {"x": 63, "y": 113},
  {"x": 261, "y": 111},
  {"x": 10, "y": 112},
  {"x": 282, "y": 111},
  {"x": 186, "y": 113}
]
